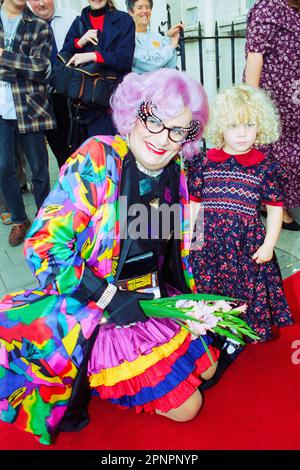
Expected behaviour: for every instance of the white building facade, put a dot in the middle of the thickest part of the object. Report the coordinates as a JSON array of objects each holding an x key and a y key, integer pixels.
[{"x": 207, "y": 13}]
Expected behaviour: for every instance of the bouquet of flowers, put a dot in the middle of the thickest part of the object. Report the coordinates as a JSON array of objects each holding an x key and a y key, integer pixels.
[{"x": 199, "y": 313}]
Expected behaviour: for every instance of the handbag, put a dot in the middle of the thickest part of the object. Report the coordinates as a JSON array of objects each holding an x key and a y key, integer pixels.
[{"x": 85, "y": 83}]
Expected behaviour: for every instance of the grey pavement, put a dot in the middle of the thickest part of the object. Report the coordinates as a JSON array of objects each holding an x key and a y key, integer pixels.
[{"x": 15, "y": 274}]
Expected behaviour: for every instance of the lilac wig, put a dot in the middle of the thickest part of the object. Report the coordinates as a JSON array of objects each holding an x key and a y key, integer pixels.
[{"x": 170, "y": 90}]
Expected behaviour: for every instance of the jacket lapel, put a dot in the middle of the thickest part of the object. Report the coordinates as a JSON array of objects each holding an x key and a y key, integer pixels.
[
  {"x": 111, "y": 29},
  {"x": 129, "y": 190},
  {"x": 21, "y": 30},
  {"x": 1, "y": 34},
  {"x": 19, "y": 35}
]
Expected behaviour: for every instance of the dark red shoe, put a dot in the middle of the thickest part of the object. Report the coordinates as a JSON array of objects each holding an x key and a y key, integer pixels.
[{"x": 18, "y": 232}]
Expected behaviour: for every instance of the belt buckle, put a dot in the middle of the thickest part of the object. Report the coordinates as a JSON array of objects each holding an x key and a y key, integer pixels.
[{"x": 147, "y": 283}]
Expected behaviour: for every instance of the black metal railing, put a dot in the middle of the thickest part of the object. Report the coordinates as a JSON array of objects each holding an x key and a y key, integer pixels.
[{"x": 233, "y": 36}]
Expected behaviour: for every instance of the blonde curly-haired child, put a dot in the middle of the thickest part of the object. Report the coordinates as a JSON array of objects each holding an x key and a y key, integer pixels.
[{"x": 231, "y": 182}]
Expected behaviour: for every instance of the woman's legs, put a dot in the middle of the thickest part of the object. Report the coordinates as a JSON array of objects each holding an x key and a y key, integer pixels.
[
  {"x": 191, "y": 407},
  {"x": 187, "y": 411},
  {"x": 287, "y": 218},
  {"x": 289, "y": 223},
  {"x": 209, "y": 373}
]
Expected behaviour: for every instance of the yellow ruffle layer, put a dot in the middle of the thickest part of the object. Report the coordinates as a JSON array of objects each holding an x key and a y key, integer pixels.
[{"x": 127, "y": 370}]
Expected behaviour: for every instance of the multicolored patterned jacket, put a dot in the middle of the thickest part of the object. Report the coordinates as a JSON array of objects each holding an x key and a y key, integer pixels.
[
  {"x": 43, "y": 332},
  {"x": 78, "y": 224}
]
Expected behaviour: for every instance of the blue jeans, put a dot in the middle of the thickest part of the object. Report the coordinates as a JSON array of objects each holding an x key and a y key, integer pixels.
[{"x": 34, "y": 147}]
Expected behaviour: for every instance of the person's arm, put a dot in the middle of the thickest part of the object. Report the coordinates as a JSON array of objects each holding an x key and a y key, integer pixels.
[
  {"x": 272, "y": 196},
  {"x": 72, "y": 38},
  {"x": 274, "y": 223},
  {"x": 33, "y": 65},
  {"x": 262, "y": 28},
  {"x": 195, "y": 207},
  {"x": 174, "y": 34},
  {"x": 82, "y": 57},
  {"x": 123, "y": 307},
  {"x": 51, "y": 247},
  {"x": 195, "y": 182},
  {"x": 254, "y": 64},
  {"x": 119, "y": 59}
]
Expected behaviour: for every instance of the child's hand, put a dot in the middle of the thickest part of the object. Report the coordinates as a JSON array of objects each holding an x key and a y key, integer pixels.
[{"x": 263, "y": 254}]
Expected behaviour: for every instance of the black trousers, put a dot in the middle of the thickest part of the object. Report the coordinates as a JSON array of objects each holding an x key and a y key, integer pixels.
[
  {"x": 58, "y": 138},
  {"x": 76, "y": 416}
]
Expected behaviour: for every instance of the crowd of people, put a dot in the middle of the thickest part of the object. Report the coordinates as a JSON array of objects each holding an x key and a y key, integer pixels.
[{"x": 60, "y": 347}]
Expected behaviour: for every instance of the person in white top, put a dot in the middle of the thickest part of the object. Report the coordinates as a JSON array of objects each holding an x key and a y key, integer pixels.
[
  {"x": 60, "y": 20},
  {"x": 152, "y": 50}
]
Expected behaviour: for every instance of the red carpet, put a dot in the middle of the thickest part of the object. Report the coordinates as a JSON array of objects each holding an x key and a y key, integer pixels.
[{"x": 255, "y": 406}]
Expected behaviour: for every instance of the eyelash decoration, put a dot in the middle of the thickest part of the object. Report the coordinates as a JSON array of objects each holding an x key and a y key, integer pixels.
[{"x": 146, "y": 109}]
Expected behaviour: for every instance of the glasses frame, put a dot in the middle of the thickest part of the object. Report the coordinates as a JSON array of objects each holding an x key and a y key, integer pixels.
[{"x": 146, "y": 109}]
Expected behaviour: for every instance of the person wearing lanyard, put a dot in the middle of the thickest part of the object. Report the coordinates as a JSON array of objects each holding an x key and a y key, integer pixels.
[
  {"x": 25, "y": 113},
  {"x": 60, "y": 20}
]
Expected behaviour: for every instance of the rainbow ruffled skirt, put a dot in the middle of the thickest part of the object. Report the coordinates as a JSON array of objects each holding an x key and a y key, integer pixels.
[{"x": 151, "y": 366}]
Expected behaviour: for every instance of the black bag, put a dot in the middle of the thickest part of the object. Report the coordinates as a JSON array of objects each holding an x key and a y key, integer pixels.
[{"x": 85, "y": 83}]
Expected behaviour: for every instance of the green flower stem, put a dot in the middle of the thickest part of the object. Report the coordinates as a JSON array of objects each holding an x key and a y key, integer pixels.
[
  {"x": 207, "y": 350},
  {"x": 166, "y": 308}
]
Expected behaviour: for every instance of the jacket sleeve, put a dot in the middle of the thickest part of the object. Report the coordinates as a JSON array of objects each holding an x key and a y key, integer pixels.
[
  {"x": 262, "y": 26},
  {"x": 195, "y": 178},
  {"x": 273, "y": 185},
  {"x": 31, "y": 63},
  {"x": 51, "y": 247},
  {"x": 119, "y": 58},
  {"x": 72, "y": 34}
]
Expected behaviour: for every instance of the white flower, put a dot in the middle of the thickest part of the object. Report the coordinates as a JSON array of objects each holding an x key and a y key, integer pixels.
[
  {"x": 197, "y": 328},
  {"x": 243, "y": 308},
  {"x": 186, "y": 303},
  {"x": 204, "y": 309},
  {"x": 223, "y": 305},
  {"x": 200, "y": 311}
]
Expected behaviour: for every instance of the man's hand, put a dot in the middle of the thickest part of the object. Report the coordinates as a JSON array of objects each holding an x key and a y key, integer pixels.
[
  {"x": 89, "y": 36},
  {"x": 1, "y": 50},
  {"x": 82, "y": 58}
]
